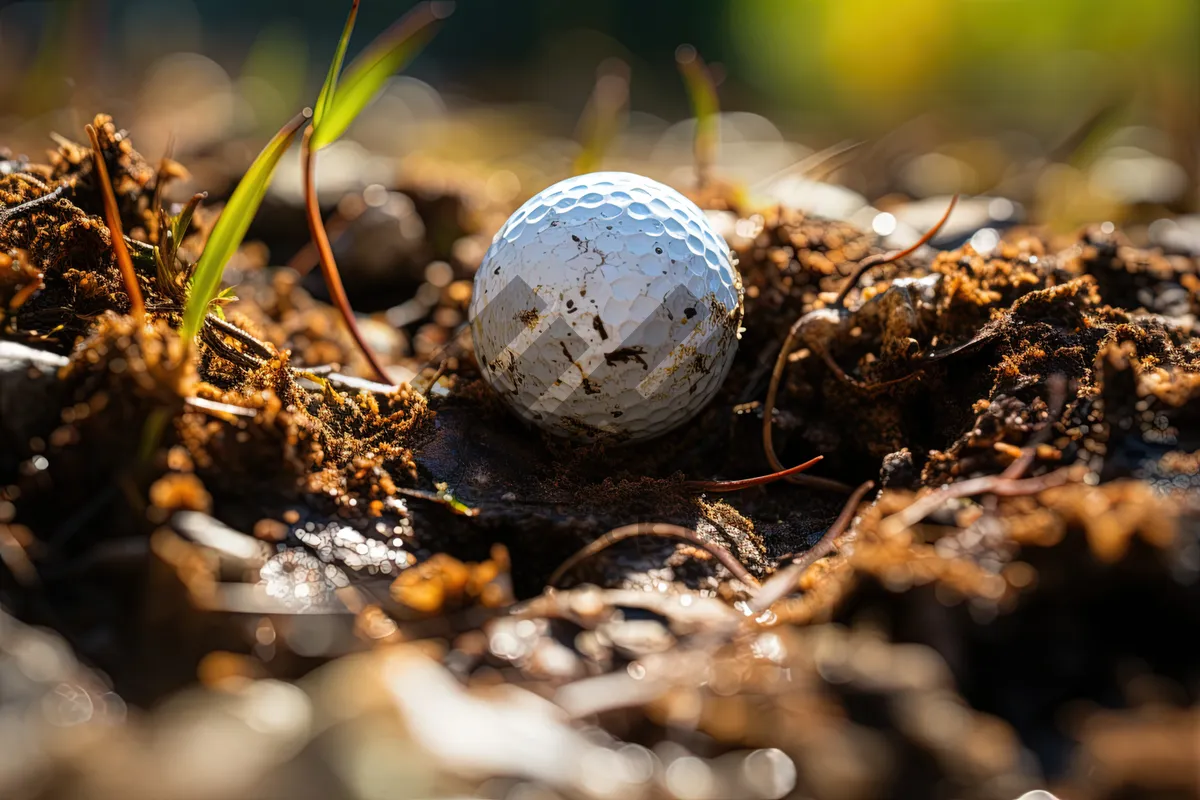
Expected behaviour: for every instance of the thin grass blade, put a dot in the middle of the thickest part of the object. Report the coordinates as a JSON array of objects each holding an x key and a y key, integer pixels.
[
  {"x": 231, "y": 227},
  {"x": 181, "y": 223},
  {"x": 366, "y": 75},
  {"x": 702, "y": 92},
  {"x": 164, "y": 260},
  {"x": 325, "y": 98},
  {"x": 172, "y": 229}
]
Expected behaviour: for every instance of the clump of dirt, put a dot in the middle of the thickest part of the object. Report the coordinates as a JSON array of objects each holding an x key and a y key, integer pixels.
[
  {"x": 1063, "y": 595},
  {"x": 953, "y": 361},
  {"x": 53, "y": 218},
  {"x": 1033, "y": 415},
  {"x": 235, "y": 421},
  {"x": 322, "y": 440},
  {"x": 792, "y": 259},
  {"x": 351, "y": 450},
  {"x": 1128, "y": 276}
]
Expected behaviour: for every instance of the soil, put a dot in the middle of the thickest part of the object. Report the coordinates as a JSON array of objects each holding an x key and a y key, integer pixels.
[{"x": 1026, "y": 625}]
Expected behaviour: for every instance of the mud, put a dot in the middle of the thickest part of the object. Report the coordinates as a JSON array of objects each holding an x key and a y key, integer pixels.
[{"x": 976, "y": 640}]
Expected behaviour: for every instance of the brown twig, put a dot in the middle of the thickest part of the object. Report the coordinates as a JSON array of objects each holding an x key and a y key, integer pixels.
[
  {"x": 794, "y": 333},
  {"x": 895, "y": 255},
  {"x": 746, "y": 483},
  {"x": 222, "y": 349},
  {"x": 261, "y": 350},
  {"x": 662, "y": 530},
  {"x": 863, "y": 386},
  {"x": 768, "y": 412},
  {"x": 226, "y": 411},
  {"x": 1058, "y": 399},
  {"x": 23, "y": 208},
  {"x": 925, "y": 505},
  {"x": 784, "y": 581},
  {"x": 137, "y": 306},
  {"x": 329, "y": 269},
  {"x": 437, "y": 374}
]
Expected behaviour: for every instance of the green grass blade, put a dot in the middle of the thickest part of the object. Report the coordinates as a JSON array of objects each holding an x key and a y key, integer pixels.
[
  {"x": 367, "y": 74},
  {"x": 231, "y": 227},
  {"x": 180, "y": 224},
  {"x": 325, "y": 98},
  {"x": 702, "y": 93}
]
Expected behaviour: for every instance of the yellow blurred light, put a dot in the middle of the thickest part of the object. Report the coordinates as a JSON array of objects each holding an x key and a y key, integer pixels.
[{"x": 881, "y": 51}]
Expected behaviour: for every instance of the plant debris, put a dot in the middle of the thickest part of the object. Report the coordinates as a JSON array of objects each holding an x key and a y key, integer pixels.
[{"x": 345, "y": 565}]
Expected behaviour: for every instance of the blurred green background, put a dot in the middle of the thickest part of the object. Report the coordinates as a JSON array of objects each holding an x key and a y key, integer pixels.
[{"x": 972, "y": 87}]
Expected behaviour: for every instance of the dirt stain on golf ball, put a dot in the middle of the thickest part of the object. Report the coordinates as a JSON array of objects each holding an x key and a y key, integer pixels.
[{"x": 607, "y": 307}]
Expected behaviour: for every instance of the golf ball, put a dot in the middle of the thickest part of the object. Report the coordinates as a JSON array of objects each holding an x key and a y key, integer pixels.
[{"x": 607, "y": 307}]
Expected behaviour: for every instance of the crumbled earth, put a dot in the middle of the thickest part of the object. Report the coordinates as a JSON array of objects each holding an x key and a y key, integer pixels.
[{"x": 1017, "y": 607}]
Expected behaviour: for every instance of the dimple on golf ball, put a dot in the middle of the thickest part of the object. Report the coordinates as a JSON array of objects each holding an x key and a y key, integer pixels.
[{"x": 607, "y": 307}]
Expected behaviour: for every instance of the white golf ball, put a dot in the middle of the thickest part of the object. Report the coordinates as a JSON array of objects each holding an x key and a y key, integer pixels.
[{"x": 607, "y": 307}]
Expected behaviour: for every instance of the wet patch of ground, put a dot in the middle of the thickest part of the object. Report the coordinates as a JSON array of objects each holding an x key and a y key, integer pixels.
[{"x": 1017, "y": 601}]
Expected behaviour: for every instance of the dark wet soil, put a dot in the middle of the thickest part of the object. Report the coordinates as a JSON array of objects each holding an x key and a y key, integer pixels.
[{"x": 1064, "y": 383}]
